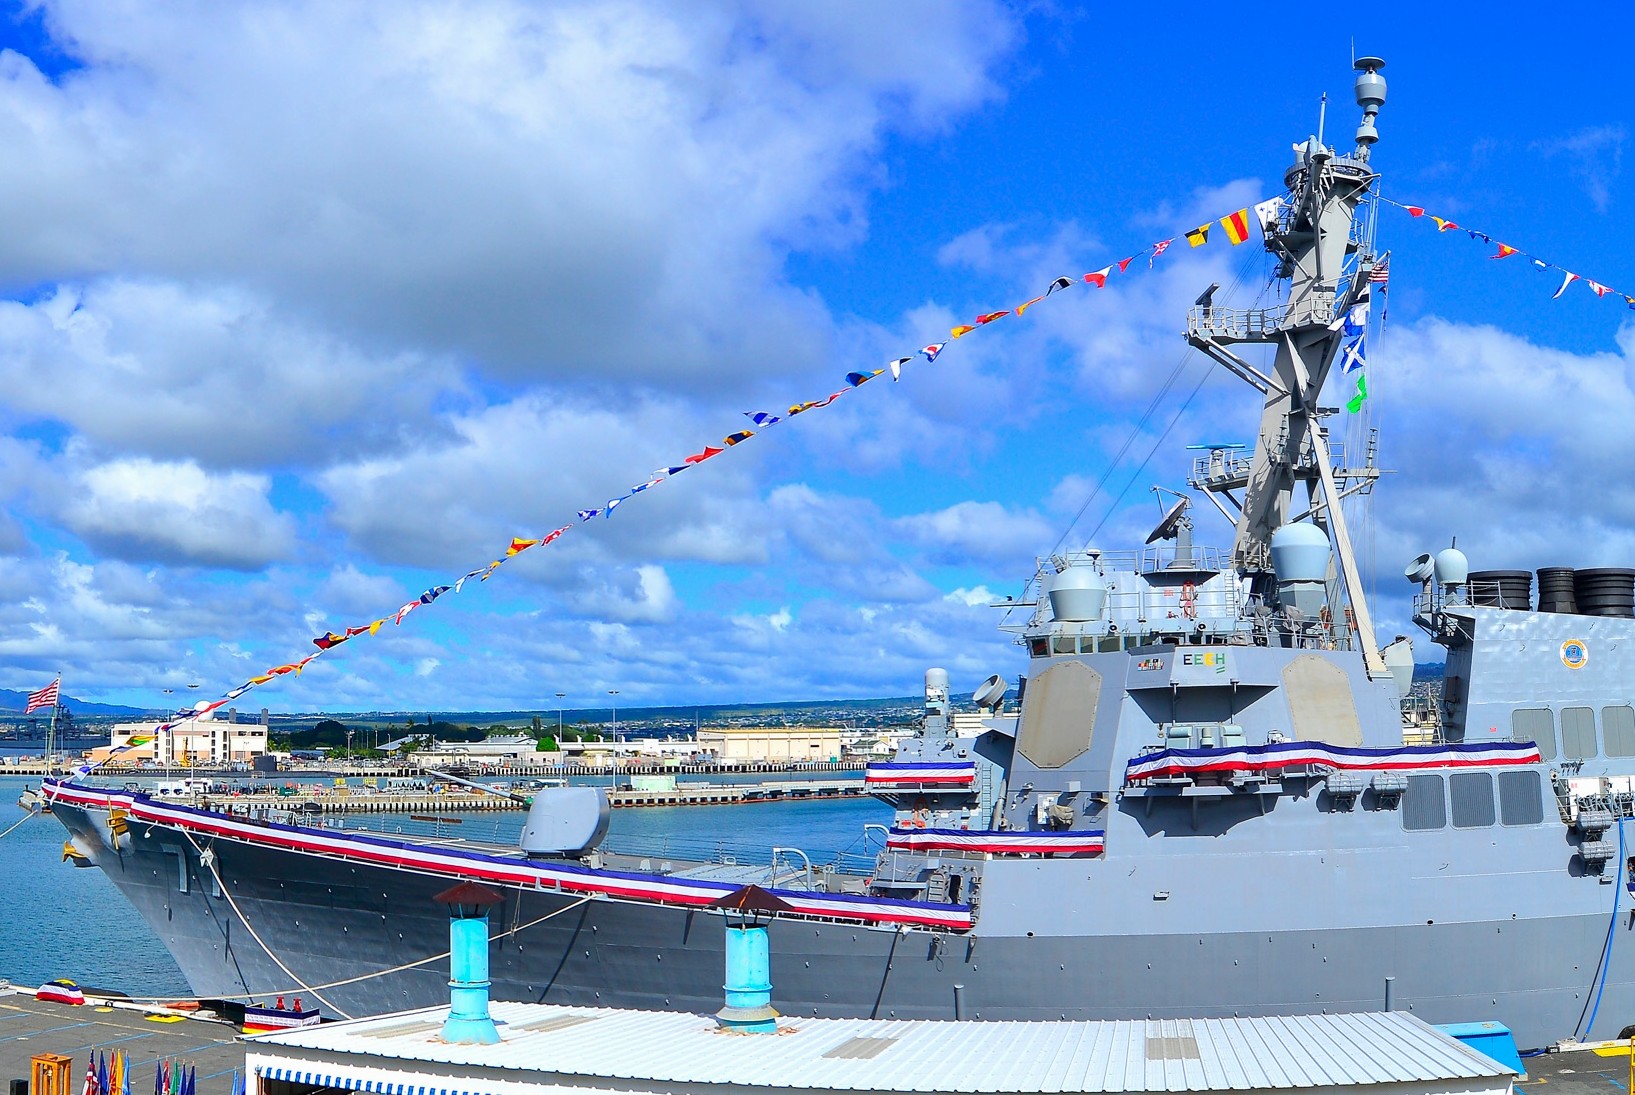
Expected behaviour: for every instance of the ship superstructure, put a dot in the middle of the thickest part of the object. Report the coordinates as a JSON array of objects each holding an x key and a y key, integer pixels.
[{"x": 1204, "y": 805}]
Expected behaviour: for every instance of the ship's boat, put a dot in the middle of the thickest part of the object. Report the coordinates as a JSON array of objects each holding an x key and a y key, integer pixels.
[{"x": 1203, "y": 804}]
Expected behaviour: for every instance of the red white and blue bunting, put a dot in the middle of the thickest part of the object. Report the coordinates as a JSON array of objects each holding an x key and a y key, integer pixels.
[
  {"x": 459, "y": 863},
  {"x": 999, "y": 841},
  {"x": 912, "y": 774},
  {"x": 1288, "y": 754}
]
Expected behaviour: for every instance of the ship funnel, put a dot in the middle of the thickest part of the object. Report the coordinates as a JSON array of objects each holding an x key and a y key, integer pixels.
[
  {"x": 1300, "y": 558},
  {"x": 1370, "y": 88},
  {"x": 748, "y": 1008},
  {"x": 1078, "y": 595},
  {"x": 468, "y": 1021}
]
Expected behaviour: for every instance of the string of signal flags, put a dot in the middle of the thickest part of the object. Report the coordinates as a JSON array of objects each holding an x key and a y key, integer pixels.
[
  {"x": 1236, "y": 227},
  {"x": 1505, "y": 251}
]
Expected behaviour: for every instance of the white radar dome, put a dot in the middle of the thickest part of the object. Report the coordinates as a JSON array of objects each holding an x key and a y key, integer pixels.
[
  {"x": 1300, "y": 553},
  {"x": 936, "y": 679},
  {"x": 1452, "y": 568},
  {"x": 1078, "y": 595}
]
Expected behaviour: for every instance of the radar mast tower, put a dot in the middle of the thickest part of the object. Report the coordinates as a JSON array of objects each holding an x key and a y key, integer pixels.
[{"x": 1313, "y": 232}]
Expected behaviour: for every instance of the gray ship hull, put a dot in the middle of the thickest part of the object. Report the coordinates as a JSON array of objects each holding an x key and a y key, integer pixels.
[{"x": 1535, "y": 974}]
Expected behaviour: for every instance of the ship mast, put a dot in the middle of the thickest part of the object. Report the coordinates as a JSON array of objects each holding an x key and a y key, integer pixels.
[{"x": 1312, "y": 235}]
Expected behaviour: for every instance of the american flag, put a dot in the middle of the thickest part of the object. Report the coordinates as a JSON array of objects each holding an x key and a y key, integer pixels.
[
  {"x": 1381, "y": 274},
  {"x": 45, "y": 697}
]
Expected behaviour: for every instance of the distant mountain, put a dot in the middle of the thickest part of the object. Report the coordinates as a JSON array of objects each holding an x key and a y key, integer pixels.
[{"x": 12, "y": 703}]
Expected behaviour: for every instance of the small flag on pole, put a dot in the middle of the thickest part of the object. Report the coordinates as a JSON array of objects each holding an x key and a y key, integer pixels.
[
  {"x": 45, "y": 697},
  {"x": 1356, "y": 401},
  {"x": 1353, "y": 356}
]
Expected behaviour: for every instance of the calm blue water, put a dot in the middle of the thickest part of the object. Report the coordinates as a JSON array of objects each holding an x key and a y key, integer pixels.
[{"x": 66, "y": 922}]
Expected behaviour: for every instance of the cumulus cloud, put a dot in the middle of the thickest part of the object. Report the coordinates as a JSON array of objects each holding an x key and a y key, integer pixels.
[
  {"x": 529, "y": 465},
  {"x": 480, "y": 145},
  {"x": 209, "y": 374},
  {"x": 134, "y": 508},
  {"x": 986, "y": 532}
]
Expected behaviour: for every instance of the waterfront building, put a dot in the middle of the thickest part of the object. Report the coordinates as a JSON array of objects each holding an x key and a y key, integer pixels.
[
  {"x": 205, "y": 741},
  {"x": 772, "y": 743}
]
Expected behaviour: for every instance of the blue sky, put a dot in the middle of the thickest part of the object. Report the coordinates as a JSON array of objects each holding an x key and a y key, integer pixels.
[{"x": 305, "y": 308}]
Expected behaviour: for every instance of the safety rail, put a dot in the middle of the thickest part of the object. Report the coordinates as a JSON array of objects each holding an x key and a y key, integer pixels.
[{"x": 1209, "y": 322}]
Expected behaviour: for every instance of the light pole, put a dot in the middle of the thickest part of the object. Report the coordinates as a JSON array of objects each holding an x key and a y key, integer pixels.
[
  {"x": 559, "y": 698},
  {"x": 169, "y": 741},
  {"x": 184, "y": 743},
  {"x": 618, "y": 760}
]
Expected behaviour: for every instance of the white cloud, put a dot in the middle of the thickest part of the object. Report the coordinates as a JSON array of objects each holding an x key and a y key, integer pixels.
[
  {"x": 213, "y": 375},
  {"x": 674, "y": 152},
  {"x": 974, "y": 597},
  {"x": 978, "y": 532},
  {"x": 178, "y": 513}
]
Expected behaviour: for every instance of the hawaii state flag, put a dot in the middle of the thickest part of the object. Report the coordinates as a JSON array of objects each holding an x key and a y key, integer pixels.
[{"x": 45, "y": 697}]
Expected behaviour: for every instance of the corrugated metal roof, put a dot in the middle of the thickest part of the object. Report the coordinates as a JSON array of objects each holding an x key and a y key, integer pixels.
[{"x": 925, "y": 1055}]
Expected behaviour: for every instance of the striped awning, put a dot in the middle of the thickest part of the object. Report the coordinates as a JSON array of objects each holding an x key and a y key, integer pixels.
[
  {"x": 900, "y": 773},
  {"x": 357, "y": 1083}
]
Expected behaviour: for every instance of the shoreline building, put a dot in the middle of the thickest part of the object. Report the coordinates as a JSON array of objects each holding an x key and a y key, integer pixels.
[
  {"x": 773, "y": 743},
  {"x": 204, "y": 741}
]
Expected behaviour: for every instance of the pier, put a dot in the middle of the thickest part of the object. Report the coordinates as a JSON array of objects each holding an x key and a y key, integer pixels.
[{"x": 29, "y": 1027}]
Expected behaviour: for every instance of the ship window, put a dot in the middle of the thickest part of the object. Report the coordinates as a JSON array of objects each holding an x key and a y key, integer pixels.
[
  {"x": 1422, "y": 806},
  {"x": 1065, "y": 644},
  {"x": 1520, "y": 800},
  {"x": 1472, "y": 797},
  {"x": 1535, "y": 724},
  {"x": 1577, "y": 732},
  {"x": 1618, "y": 730},
  {"x": 1037, "y": 648}
]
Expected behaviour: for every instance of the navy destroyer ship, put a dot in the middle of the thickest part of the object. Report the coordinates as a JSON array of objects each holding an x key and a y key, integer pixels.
[{"x": 1206, "y": 803}]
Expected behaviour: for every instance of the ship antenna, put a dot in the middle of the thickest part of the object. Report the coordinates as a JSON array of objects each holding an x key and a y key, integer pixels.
[
  {"x": 1322, "y": 116},
  {"x": 1370, "y": 89}
]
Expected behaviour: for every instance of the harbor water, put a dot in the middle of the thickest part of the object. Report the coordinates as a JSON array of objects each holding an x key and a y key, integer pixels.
[{"x": 74, "y": 923}]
